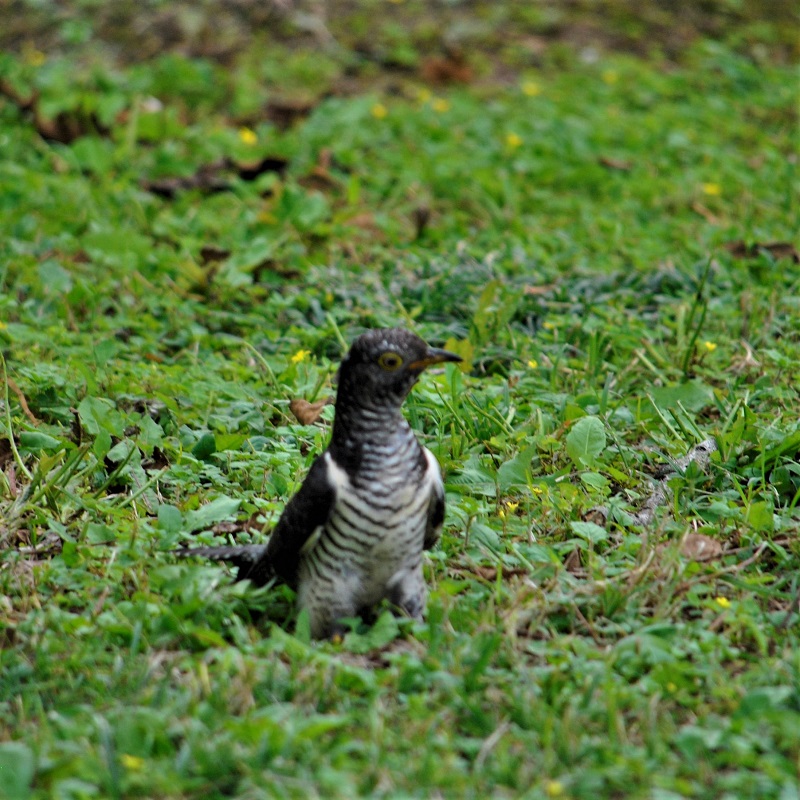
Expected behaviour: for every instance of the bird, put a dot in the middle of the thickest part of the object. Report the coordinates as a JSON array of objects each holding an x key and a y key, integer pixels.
[{"x": 354, "y": 533}]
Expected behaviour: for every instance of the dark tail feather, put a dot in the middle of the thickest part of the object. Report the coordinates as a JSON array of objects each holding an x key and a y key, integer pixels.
[{"x": 251, "y": 559}]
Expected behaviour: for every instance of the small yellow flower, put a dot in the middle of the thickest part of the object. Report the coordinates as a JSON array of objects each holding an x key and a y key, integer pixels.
[
  {"x": 610, "y": 76},
  {"x": 531, "y": 89},
  {"x": 513, "y": 140},
  {"x": 549, "y": 326},
  {"x": 501, "y": 513},
  {"x": 132, "y": 763},
  {"x": 536, "y": 489},
  {"x": 248, "y": 135},
  {"x": 712, "y": 189},
  {"x": 722, "y": 602},
  {"x": 554, "y": 789},
  {"x": 3, "y": 326},
  {"x": 671, "y": 687},
  {"x": 379, "y": 111},
  {"x": 511, "y": 507},
  {"x": 532, "y": 363},
  {"x": 710, "y": 346},
  {"x": 440, "y": 105},
  {"x": 300, "y": 355}
]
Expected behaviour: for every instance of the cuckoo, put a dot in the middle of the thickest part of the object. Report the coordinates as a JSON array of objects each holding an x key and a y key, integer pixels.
[{"x": 355, "y": 531}]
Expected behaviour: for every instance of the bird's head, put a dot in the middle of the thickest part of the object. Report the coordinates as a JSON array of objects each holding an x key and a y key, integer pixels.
[{"x": 383, "y": 364}]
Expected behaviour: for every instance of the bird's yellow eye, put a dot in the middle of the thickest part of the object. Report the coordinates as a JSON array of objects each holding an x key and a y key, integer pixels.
[{"x": 390, "y": 361}]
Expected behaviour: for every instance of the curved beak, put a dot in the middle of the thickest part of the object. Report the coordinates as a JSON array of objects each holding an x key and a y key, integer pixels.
[{"x": 433, "y": 356}]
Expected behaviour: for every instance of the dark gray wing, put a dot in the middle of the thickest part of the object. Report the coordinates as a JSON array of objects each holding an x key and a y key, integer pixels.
[
  {"x": 433, "y": 530},
  {"x": 279, "y": 558},
  {"x": 303, "y": 515}
]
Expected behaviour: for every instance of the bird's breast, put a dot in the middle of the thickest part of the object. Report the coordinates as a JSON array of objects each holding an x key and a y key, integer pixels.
[{"x": 378, "y": 520}]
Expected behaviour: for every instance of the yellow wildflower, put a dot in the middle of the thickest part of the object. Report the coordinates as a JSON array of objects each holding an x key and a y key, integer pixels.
[
  {"x": 610, "y": 76},
  {"x": 248, "y": 135},
  {"x": 532, "y": 363},
  {"x": 722, "y": 602},
  {"x": 440, "y": 105},
  {"x": 549, "y": 326},
  {"x": 554, "y": 789},
  {"x": 300, "y": 355},
  {"x": 710, "y": 346},
  {"x": 671, "y": 687},
  {"x": 132, "y": 763},
  {"x": 379, "y": 111},
  {"x": 531, "y": 88},
  {"x": 513, "y": 140},
  {"x": 712, "y": 189},
  {"x": 507, "y": 509}
]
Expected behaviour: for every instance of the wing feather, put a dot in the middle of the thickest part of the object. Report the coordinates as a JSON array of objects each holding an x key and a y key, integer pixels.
[
  {"x": 304, "y": 514},
  {"x": 279, "y": 558},
  {"x": 433, "y": 530}
]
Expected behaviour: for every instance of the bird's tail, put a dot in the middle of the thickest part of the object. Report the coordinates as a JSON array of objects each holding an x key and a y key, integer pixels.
[{"x": 251, "y": 559}]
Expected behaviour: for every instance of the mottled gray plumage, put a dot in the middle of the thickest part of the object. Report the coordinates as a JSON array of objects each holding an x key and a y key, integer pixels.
[{"x": 354, "y": 533}]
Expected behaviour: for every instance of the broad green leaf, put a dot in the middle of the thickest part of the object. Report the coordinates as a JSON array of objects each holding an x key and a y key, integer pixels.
[
  {"x": 692, "y": 395},
  {"x": 760, "y": 516},
  {"x": 585, "y": 441},
  {"x": 17, "y": 768},
  {"x": 169, "y": 518},
  {"x": 516, "y": 471},
  {"x": 33, "y": 442},
  {"x": 589, "y": 531},
  {"x": 594, "y": 480},
  {"x": 206, "y": 446},
  {"x": 99, "y": 414},
  {"x": 215, "y": 511},
  {"x": 97, "y": 533}
]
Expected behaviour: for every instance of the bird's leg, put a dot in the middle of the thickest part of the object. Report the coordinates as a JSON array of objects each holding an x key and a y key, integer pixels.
[
  {"x": 327, "y": 604},
  {"x": 407, "y": 591}
]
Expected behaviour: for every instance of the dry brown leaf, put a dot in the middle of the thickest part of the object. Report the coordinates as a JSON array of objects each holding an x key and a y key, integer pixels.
[
  {"x": 615, "y": 163},
  {"x": 698, "y": 547},
  {"x": 573, "y": 562},
  {"x": 598, "y": 515},
  {"x": 449, "y": 68},
  {"x": 740, "y": 249},
  {"x": 308, "y": 413},
  {"x": 535, "y": 291}
]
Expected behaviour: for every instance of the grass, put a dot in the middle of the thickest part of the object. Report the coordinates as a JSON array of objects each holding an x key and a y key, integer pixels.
[{"x": 610, "y": 245}]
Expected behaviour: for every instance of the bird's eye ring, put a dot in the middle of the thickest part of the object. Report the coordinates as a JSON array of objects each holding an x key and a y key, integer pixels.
[{"x": 390, "y": 361}]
